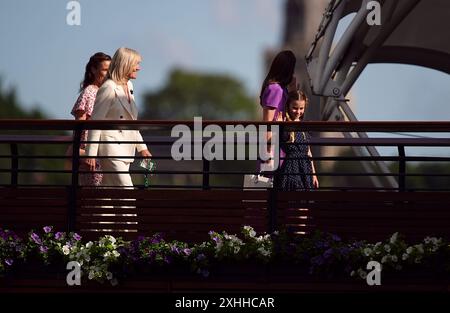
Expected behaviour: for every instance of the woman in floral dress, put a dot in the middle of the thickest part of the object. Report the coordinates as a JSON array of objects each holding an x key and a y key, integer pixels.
[{"x": 96, "y": 70}]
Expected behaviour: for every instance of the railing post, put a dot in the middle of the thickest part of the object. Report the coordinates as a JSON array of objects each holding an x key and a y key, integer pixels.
[
  {"x": 14, "y": 164},
  {"x": 205, "y": 169},
  {"x": 401, "y": 169},
  {"x": 273, "y": 207},
  {"x": 72, "y": 207},
  {"x": 206, "y": 166},
  {"x": 273, "y": 192}
]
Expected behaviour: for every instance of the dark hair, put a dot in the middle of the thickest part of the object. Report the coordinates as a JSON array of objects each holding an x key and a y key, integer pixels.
[
  {"x": 281, "y": 70},
  {"x": 94, "y": 63}
]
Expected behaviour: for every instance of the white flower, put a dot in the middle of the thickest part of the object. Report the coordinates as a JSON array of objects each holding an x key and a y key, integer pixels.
[
  {"x": 367, "y": 251},
  {"x": 109, "y": 275},
  {"x": 114, "y": 282},
  {"x": 115, "y": 253},
  {"x": 110, "y": 238},
  {"x": 387, "y": 248},
  {"x": 236, "y": 249},
  {"x": 107, "y": 254},
  {"x": 394, "y": 258},
  {"x": 91, "y": 275},
  {"x": 385, "y": 258},
  {"x": 352, "y": 273},
  {"x": 418, "y": 259},
  {"x": 419, "y": 248},
  {"x": 404, "y": 256},
  {"x": 394, "y": 238},
  {"x": 250, "y": 231},
  {"x": 89, "y": 244},
  {"x": 263, "y": 251},
  {"x": 66, "y": 249},
  {"x": 409, "y": 250},
  {"x": 362, "y": 274}
]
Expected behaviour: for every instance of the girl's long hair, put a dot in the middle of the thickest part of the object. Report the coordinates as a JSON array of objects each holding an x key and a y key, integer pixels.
[{"x": 294, "y": 96}]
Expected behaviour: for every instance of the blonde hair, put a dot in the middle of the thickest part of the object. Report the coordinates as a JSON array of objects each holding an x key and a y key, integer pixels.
[
  {"x": 294, "y": 96},
  {"x": 122, "y": 64}
]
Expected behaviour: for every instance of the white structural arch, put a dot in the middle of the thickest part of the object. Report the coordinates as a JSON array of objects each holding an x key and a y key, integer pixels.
[{"x": 414, "y": 32}]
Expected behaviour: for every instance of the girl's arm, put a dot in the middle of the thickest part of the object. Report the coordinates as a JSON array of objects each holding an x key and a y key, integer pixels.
[{"x": 315, "y": 180}]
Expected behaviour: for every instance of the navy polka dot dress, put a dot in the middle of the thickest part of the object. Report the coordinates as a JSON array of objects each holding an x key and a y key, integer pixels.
[{"x": 292, "y": 173}]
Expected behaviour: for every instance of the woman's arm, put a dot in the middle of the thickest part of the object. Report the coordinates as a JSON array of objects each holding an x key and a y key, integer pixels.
[
  {"x": 268, "y": 115},
  {"x": 81, "y": 115}
]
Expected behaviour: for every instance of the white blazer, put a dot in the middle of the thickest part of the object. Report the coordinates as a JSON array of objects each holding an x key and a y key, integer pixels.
[{"x": 111, "y": 103}]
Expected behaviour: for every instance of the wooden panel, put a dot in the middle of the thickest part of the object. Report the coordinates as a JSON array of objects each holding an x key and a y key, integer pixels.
[
  {"x": 31, "y": 210},
  {"x": 170, "y": 203},
  {"x": 212, "y": 195},
  {"x": 32, "y": 202},
  {"x": 33, "y": 192},
  {"x": 365, "y": 196}
]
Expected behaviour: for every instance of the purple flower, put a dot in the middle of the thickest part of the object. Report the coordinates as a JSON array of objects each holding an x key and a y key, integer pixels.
[
  {"x": 59, "y": 235},
  {"x": 36, "y": 238},
  {"x": 187, "y": 251},
  {"x": 48, "y": 229},
  {"x": 335, "y": 237},
  {"x": 76, "y": 237},
  {"x": 43, "y": 249},
  {"x": 157, "y": 238},
  {"x": 216, "y": 239},
  {"x": 318, "y": 260},
  {"x": 175, "y": 249},
  {"x": 151, "y": 255},
  {"x": 328, "y": 253},
  {"x": 200, "y": 257},
  {"x": 9, "y": 262},
  {"x": 345, "y": 250}
]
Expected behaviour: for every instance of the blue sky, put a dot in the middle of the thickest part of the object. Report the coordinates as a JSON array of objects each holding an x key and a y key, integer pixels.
[{"x": 44, "y": 58}]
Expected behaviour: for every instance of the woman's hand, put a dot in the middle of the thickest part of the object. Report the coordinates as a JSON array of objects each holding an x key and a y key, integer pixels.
[
  {"x": 145, "y": 153},
  {"x": 90, "y": 164},
  {"x": 315, "y": 182}
]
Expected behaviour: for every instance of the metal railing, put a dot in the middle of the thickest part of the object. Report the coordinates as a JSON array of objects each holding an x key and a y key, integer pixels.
[
  {"x": 206, "y": 171},
  {"x": 21, "y": 134}
]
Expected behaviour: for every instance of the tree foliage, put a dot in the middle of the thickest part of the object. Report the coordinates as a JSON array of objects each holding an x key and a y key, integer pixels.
[{"x": 211, "y": 96}]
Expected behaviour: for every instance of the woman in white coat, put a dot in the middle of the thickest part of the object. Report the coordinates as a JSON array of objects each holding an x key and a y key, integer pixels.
[{"x": 115, "y": 101}]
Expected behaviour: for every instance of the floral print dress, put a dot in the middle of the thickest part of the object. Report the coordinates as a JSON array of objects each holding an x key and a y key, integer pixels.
[{"x": 85, "y": 104}]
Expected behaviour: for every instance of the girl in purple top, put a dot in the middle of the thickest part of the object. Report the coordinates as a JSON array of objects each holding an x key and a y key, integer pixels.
[{"x": 274, "y": 91}]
